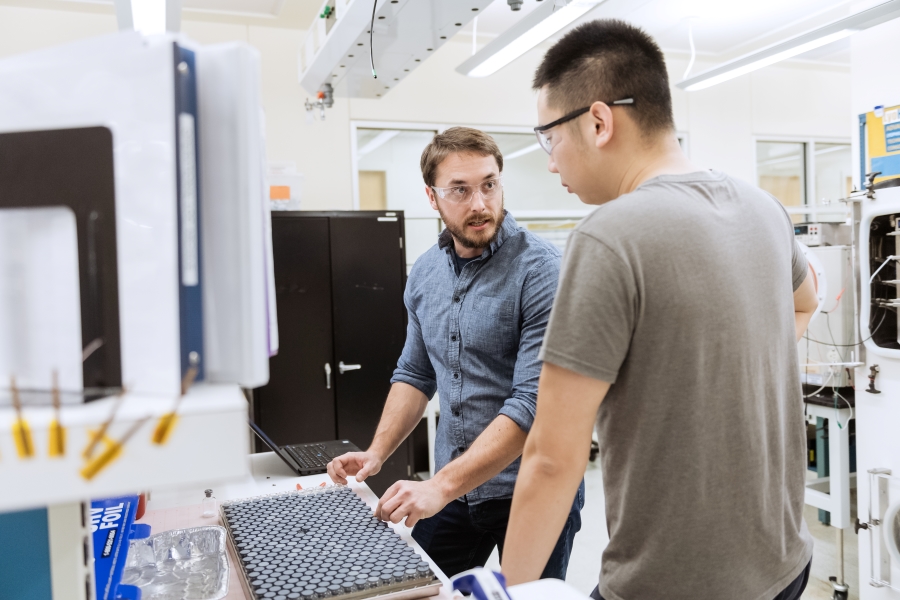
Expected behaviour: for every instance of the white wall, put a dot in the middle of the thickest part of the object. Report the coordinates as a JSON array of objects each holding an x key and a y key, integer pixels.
[
  {"x": 721, "y": 122},
  {"x": 874, "y": 82}
]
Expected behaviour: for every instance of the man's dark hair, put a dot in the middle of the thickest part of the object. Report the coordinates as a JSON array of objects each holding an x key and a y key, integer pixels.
[{"x": 608, "y": 60}]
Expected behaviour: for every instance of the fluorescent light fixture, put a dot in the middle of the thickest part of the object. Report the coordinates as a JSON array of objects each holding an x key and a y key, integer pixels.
[
  {"x": 149, "y": 17},
  {"x": 533, "y": 29},
  {"x": 522, "y": 152},
  {"x": 795, "y": 46}
]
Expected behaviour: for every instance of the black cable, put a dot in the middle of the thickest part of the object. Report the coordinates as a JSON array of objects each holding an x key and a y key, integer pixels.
[
  {"x": 371, "y": 37},
  {"x": 874, "y": 331}
]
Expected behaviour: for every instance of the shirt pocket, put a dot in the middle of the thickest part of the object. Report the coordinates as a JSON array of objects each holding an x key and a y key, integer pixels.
[{"x": 492, "y": 327}]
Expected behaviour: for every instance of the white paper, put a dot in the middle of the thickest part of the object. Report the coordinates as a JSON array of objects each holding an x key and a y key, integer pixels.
[{"x": 40, "y": 304}]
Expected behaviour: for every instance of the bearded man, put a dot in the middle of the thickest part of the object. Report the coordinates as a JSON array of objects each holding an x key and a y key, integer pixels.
[{"x": 478, "y": 303}]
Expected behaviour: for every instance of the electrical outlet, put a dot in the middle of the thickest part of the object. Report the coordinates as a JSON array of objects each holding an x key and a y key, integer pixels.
[{"x": 834, "y": 357}]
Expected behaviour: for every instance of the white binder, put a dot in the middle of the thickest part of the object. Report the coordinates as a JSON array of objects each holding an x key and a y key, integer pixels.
[
  {"x": 126, "y": 83},
  {"x": 239, "y": 281}
]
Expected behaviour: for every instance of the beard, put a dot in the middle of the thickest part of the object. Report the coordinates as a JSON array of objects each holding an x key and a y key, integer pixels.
[{"x": 477, "y": 239}]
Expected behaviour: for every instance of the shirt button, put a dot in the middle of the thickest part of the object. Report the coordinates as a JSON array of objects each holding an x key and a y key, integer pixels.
[
  {"x": 455, "y": 412},
  {"x": 460, "y": 449},
  {"x": 456, "y": 299},
  {"x": 456, "y": 376},
  {"x": 453, "y": 337}
]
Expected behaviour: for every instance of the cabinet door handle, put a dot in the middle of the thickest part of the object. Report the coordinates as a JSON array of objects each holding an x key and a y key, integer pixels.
[
  {"x": 342, "y": 368},
  {"x": 327, "y": 376}
]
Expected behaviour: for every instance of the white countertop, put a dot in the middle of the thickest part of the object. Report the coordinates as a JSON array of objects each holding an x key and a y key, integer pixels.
[{"x": 269, "y": 475}]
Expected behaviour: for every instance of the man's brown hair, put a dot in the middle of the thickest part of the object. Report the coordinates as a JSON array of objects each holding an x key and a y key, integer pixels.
[
  {"x": 457, "y": 140},
  {"x": 608, "y": 60}
]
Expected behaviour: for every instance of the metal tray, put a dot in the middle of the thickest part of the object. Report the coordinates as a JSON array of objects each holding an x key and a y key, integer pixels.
[{"x": 182, "y": 564}]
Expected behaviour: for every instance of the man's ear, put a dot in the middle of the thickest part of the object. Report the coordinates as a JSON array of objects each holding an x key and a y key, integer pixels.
[
  {"x": 430, "y": 193},
  {"x": 601, "y": 124}
]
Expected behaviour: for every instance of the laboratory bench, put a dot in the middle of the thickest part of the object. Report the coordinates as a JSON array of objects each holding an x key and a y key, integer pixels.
[{"x": 181, "y": 508}]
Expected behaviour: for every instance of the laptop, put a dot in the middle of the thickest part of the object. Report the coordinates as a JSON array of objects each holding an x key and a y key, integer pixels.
[{"x": 307, "y": 459}]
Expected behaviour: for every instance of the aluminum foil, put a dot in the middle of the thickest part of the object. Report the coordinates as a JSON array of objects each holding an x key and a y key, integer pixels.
[{"x": 182, "y": 564}]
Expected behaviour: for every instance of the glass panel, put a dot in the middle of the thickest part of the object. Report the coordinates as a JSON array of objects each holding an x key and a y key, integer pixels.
[
  {"x": 527, "y": 184},
  {"x": 834, "y": 179},
  {"x": 389, "y": 175},
  {"x": 780, "y": 170}
]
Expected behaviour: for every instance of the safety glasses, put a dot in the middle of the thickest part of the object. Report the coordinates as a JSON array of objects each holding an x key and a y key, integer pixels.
[
  {"x": 463, "y": 194},
  {"x": 541, "y": 131}
]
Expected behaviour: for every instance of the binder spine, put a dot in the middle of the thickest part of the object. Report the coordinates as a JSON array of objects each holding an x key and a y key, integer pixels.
[{"x": 189, "y": 243}]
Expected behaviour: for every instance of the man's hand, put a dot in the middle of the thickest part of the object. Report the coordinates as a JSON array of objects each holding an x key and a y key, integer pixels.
[
  {"x": 354, "y": 464},
  {"x": 413, "y": 500}
]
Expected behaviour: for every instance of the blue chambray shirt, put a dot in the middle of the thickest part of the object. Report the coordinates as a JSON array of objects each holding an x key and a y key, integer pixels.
[{"x": 475, "y": 339}]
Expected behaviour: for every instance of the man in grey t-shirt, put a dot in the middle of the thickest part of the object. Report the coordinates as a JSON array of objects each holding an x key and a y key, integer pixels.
[{"x": 680, "y": 304}]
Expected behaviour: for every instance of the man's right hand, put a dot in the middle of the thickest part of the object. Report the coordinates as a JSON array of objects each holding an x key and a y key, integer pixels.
[{"x": 354, "y": 464}]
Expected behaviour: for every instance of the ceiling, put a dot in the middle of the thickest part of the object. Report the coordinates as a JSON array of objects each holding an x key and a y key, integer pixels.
[{"x": 722, "y": 29}]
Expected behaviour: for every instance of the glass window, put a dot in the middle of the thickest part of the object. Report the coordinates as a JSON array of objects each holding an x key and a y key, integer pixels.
[
  {"x": 781, "y": 171},
  {"x": 834, "y": 179},
  {"x": 527, "y": 184},
  {"x": 389, "y": 175}
]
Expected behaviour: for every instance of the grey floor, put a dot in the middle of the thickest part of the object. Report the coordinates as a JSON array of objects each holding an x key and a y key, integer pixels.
[{"x": 584, "y": 566}]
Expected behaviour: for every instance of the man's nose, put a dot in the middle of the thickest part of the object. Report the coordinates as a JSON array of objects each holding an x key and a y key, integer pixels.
[{"x": 477, "y": 203}]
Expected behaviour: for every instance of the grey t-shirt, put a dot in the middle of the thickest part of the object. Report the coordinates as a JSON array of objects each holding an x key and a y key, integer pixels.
[{"x": 680, "y": 294}]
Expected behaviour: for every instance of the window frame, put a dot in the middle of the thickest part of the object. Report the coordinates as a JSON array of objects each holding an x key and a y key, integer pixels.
[
  {"x": 811, "y": 208},
  {"x": 356, "y": 125}
]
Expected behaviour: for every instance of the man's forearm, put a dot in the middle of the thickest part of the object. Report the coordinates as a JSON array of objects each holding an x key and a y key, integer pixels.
[
  {"x": 402, "y": 412},
  {"x": 497, "y": 446},
  {"x": 543, "y": 498},
  {"x": 552, "y": 466}
]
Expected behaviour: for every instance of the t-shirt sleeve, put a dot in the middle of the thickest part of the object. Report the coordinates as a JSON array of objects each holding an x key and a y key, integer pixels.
[
  {"x": 799, "y": 265},
  {"x": 593, "y": 316}
]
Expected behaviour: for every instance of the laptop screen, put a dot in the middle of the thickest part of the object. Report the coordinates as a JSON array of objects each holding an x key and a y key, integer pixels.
[{"x": 268, "y": 442}]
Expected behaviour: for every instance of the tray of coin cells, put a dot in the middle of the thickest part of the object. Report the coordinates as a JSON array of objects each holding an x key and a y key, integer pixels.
[{"x": 322, "y": 543}]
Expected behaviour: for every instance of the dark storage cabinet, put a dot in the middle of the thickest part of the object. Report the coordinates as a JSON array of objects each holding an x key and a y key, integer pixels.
[{"x": 339, "y": 280}]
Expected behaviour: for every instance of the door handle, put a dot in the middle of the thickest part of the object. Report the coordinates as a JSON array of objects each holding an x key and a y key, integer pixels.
[
  {"x": 342, "y": 368},
  {"x": 327, "y": 376}
]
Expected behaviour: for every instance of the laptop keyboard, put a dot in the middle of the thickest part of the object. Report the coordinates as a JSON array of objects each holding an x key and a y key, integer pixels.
[{"x": 310, "y": 456}]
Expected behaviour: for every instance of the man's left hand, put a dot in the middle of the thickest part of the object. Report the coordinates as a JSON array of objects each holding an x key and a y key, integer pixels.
[{"x": 413, "y": 500}]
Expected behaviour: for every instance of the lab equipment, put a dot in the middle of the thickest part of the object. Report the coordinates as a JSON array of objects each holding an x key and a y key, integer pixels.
[
  {"x": 209, "y": 506},
  {"x": 322, "y": 542},
  {"x": 481, "y": 584},
  {"x": 345, "y": 50},
  {"x": 822, "y": 234}
]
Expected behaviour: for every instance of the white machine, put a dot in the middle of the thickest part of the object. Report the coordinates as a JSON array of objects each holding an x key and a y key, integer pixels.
[
  {"x": 878, "y": 395},
  {"x": 826, "y": 351},
  {"x": 345, "y": 51}
]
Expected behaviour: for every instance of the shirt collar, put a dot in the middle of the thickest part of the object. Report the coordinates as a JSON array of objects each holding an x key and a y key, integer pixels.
[{"x": 507, "y": 229}]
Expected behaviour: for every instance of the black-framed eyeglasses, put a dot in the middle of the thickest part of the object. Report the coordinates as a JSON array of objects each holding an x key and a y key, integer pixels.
[{"x": 540, "y": 131}]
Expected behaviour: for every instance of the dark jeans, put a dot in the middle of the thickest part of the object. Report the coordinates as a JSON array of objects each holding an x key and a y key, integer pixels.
[
  {"x": 462, "y": 536},
  {"x": 791, "y": 592}
]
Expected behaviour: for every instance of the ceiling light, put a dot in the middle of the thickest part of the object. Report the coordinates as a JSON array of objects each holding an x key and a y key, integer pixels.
[
  {"x": 533, "y": 29},
  {"x": 795, "y": 46}
]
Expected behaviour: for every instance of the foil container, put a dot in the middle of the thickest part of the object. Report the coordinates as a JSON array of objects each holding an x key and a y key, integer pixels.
[{"x": 182, "y": 564}]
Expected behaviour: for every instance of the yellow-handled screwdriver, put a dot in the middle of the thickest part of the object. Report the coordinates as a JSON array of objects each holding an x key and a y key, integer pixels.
[{"x": 90, "y": 470}]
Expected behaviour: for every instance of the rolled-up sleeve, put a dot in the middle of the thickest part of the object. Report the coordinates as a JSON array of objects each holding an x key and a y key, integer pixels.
[
  {"x": 538, "y": 292},
  {"x": 414, "y": 367}
]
